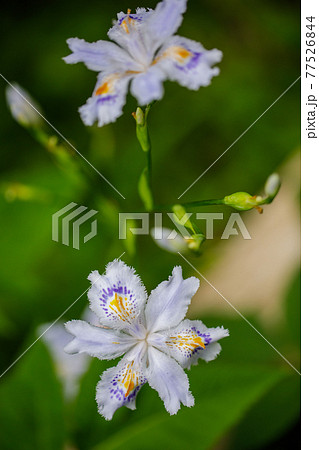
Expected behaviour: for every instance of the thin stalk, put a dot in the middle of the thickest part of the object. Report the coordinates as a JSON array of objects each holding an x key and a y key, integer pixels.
[
  {"x": 161, "y": 208},
  {"x": 145, "y": 181}
]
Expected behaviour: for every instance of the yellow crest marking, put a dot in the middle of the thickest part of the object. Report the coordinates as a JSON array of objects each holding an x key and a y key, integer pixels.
[
  {"x": 125, "y": 22},
  {"x": 186, "y": 342},
  {"x": 130, "y": 379},
  {"x": 119, "y": 306},
  {"x": 103, "y": 89},
  {"x": 180, "y": 54}
]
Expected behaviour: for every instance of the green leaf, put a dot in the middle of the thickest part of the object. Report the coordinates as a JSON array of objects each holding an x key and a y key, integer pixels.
[
  {"x": 7, "y": 327},
  {"x": 31, "y": 408},
  {"x": 25, "y": 241},
  {"x": 223, "y": 394},
  {"x": 281, "y": 404},
  {"x": 245, "y": 346},
  {"x": 88, "y": 427},
  {"x": 102, "y": 147}
]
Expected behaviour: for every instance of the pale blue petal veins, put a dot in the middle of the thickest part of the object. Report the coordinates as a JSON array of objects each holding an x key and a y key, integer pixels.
[
  {"x": 97, "y": 341},
  {"x": 99, "y": 56},
  {"x": 168, "y": 303},
  {"x": 164, "y": 21},
  {"x": 170, "y": 381}
]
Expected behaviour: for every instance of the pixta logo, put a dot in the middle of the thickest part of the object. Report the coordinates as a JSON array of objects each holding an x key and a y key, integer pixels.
[
  {"x": 73, "y": 227},
  {"x": 233, "y": 227}
]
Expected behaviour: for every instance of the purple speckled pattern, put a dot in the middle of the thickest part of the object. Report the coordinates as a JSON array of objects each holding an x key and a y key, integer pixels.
[
  {"x": 192, "y": 63},
  {"x": 206, "y": 338},
  {"x": 138, "y": 17},
  {"x": 117, "y": 389},
  {"x": 185, "y": 343},
  {"x": 128, "y": 301},
  {"x": 107, "y": 98}
]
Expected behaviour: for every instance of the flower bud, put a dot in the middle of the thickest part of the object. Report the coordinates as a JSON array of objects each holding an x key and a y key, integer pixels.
[
  {"x": 22, "y": 106},
  {"x": 139, "y": 117},
  {"x": 195, "y": 237},
  {"x": 141, "y": 129},
  {"x": 195, "y": 242},
  {"x": 174, "y": 244},
  {"x": 242, "y": 201},
  {"x": 22, "y": 192},
  {"x": 272, "y": 185}
]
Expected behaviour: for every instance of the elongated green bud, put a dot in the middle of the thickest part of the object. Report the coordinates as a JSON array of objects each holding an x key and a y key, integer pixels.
[
  {"x": 141, "y": 129},
  {"x": 242, "y": 201},
  {"x": 139, "y": 117}
]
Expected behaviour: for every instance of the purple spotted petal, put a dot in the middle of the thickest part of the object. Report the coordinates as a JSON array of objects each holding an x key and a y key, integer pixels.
[
  {"x": 118, "y": 296},
  {"x": 192, "y": 340},
  {"x": 119, "y": 386},
  {"x": 188, "y": 63}
]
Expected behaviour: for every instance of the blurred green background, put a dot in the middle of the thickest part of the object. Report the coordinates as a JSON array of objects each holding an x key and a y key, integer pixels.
[{"x": 249, "y": 397}]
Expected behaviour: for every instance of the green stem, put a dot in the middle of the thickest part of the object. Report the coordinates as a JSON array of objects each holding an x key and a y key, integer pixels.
[
  {"x": 161, "y": 208},
  {"x": 149, "y": 168},
  {"x": 213, "y": 201},
  {"x": 145, "y": 181}
]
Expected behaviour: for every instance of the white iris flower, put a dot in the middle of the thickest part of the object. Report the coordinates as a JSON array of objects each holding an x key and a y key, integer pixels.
[
  {"x": 156, "y": 342},
  {"x": 145, "y": 53}
]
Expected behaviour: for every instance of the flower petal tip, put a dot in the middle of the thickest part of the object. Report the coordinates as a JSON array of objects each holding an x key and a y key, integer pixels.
[{"x": 94, "y": 276}]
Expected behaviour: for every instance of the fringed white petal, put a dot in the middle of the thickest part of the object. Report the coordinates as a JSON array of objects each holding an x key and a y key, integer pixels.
[
  {"x": 192, "y": 340},
  {"x": 168, "y": 303},
  {"x": 108, "y": 99},
  {"x": 148, "y": 86},
  {"x": 119, "y": 386},
  {"x": 169, "y": 380},
  {"x": 164, "y": 22},
  {"x": 97, "y": 341},
  {"x": 99, "y": 56},
  {"x": 128, "y": 32},
  {"x": 118, "y": 296},
  {"x": 187, "y": 62}
]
